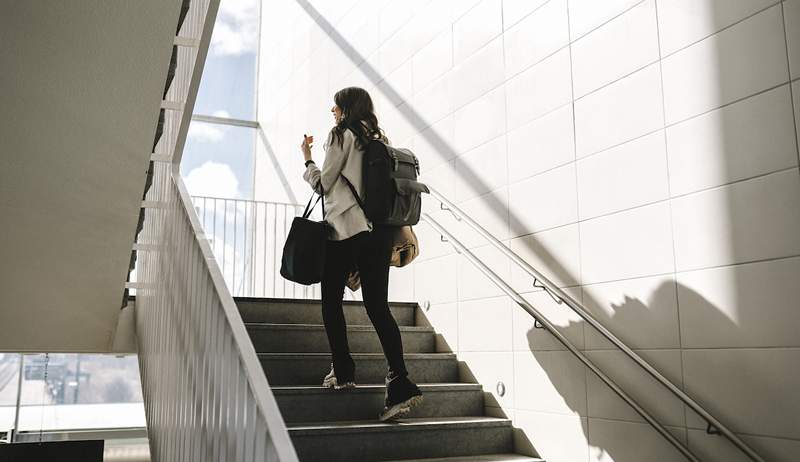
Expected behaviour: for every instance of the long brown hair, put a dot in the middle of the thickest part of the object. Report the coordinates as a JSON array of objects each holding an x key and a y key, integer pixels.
[{"x": 358, "y": 114}]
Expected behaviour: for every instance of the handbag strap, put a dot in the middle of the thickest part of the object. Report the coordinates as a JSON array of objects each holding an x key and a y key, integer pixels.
[{"x": 310, "y": 208}]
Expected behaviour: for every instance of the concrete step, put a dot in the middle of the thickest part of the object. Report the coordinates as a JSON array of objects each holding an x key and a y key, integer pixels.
[
  {"x": 310, "y": 368},
  {"x": 480, "y": 458},
  {"x": 404, "y": 439},
  {"x": 311, "y": 338},
  {"x": 297, "y": 311},
  {"x": 317, "y": 404}
]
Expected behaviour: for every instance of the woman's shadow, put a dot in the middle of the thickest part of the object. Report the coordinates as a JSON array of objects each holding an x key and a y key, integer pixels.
[{"x": 613, "y": 430}]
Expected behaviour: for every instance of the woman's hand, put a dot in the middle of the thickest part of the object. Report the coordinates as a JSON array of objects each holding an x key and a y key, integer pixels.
[{"x": 308, "y": 142}]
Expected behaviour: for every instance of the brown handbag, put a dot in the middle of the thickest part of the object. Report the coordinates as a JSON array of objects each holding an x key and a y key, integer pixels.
[{"x": 405, "y": 248}]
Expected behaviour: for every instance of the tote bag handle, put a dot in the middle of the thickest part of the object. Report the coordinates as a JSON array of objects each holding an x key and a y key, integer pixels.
[{"x": 310, "y": 208}]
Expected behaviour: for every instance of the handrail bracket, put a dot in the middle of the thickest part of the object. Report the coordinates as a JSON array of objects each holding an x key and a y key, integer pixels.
[
  {"x": 539, "y": 285},
  {"x": 455, "y": 215}
]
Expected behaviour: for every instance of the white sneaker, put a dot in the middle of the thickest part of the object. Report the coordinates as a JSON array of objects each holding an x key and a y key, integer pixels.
[
  {"x": 401, "y": 396},
  {"x": 330, "y": 382},
  {"x": 399, "y": 409}
]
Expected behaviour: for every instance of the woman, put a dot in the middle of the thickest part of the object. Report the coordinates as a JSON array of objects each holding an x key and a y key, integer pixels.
[{"x": 354, "y": 242}]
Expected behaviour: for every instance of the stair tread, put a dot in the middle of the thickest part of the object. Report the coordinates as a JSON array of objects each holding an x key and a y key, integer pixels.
[
  {"x": 308, "y": 311},
  {"x": 311, "y": 300},
  {"x": 479, "y": 458},
  {"x": 409, "y": 424},
  {"x": 434, "y": 356},
  {"x": 301, "y": 326},
  {"x": 372, "y": 388}
]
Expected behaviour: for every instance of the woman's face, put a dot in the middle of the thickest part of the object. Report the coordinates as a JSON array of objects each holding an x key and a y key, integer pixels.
[{"x": 337, "y": 113}]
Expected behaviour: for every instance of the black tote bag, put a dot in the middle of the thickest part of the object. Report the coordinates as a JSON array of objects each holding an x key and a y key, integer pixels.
[{"x": 304, "y": 252}]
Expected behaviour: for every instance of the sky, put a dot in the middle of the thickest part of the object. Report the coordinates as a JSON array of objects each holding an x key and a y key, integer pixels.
[{"x": 218, "y": 159}]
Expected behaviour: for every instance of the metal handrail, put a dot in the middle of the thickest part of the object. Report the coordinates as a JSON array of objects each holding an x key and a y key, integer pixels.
[
  {"x": 561, "y": 337},
  {"x": 249, "y": 201},
  {"x": 540, "y": 281}
]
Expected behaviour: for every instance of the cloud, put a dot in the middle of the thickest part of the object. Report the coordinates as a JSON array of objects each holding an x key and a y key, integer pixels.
[
  {"x": 212, "y": 179},
  {"x": 207, "y": 133},
  {"x": 222, "y": 113},
  {"x": 236, "y": 29}
]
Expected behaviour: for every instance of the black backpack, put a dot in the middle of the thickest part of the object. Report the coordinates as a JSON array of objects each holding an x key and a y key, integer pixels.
[{"x": 392, "y": 194}]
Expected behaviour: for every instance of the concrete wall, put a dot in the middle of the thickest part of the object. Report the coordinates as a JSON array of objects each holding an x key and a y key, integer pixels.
[
  {"x": 80, "y": 88},
  {"x": 641, "y": 153}
]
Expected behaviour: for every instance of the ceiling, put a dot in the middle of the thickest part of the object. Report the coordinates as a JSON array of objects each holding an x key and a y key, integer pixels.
[{"x": 80, "y": 89}]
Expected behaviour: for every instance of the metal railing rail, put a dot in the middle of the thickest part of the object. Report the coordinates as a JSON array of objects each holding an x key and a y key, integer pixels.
[
  {"x": 205, "y": 392},
  {"x": 560, "y": 296},
  {"x": 247, "y": 238},
  {"x": 546, "y": 324},
  {"x": 206, "y": 395}
]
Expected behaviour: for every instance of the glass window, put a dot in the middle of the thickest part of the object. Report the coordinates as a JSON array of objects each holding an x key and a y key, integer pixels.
[
  {"x": 80, "y": 391},
  {"x": 9, "y": 373},
  {"x": 218, "y": 160},
  {"x": 227, "y": 88}
]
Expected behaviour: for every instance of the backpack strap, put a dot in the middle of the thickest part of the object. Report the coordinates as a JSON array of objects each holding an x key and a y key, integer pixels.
[{"x": 355, "y": 193}]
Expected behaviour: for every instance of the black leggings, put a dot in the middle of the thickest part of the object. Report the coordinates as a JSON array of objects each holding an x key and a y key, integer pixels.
[{"x": 370, "y": 253}]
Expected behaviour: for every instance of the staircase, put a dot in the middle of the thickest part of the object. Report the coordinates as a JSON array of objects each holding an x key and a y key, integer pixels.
[{"x": 342, "y": 425}]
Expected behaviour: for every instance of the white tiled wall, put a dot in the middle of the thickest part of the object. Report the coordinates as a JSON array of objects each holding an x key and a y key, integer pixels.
[{"x": 641, "y": 153}]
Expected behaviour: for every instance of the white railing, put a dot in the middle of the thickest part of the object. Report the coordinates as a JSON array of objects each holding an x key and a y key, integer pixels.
[
  {"x": 206, "y": 396},
  {"x": 247, "y": 238}
]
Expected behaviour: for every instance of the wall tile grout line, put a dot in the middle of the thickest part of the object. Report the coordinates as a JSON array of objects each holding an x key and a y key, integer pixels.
[
  {"x": 315, "y": 49},
  {"x": 635, "y": 207},
  {"x": 655, "y": 349},
  {"x": 671, "y": 216},
  {"x": 621, "y": 13},
  {"x": 526, "y": 16},
  {"x": 438, "y": 33},
  {"x": 570, "y": 42},
  {"x": 641, "y": 276},
  {"x": 687, "y": 428},
  {"x": 512, "y": 306},
  {"x": 539, "y": 231},
  {"x": 574, "y": 162},
  {"x": 673, "y": 124},
  {"x": 640, "y": 422},
  {"x": 658, "y": 61},
  {"x": 618, "y": 79},
  {"x": 617, "y": 145},
  {"x": 791, "y": 86},
  {"x": 725, "y": 348},
  {"x": 532, "y": 65},
  {"x": 739, "y": 21}
]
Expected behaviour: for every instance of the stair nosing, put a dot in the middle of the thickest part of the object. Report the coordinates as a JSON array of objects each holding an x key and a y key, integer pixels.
[
  {"x": 411, "y": 424},
  {"x": 512, "y": 457},
  {"x": 373, "y": 388},
  {"x": 434, "y": 356},
  {"x": 316, "y": 300},
  {"x": 305, "y": 326}
]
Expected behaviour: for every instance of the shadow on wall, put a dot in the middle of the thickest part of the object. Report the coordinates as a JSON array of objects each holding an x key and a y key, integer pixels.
[
  {"x": 718, "y": 225},
  {"x": 611, "y": 427}
]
